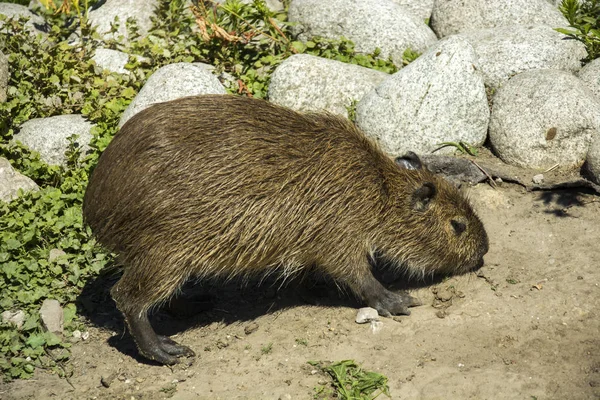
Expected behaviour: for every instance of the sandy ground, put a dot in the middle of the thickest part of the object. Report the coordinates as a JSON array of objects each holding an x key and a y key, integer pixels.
[{"x": 526, "y": 326}]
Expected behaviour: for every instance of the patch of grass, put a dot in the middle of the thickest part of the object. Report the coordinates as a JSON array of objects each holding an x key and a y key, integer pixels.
[
  {"x": 169, "y": 390},
  {"x": 584, "y": 19},
  {"x": 351, "y": 382},
  {"x": 266, "y": 349}
]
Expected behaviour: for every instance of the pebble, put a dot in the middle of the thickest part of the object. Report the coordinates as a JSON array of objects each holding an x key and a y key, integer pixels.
[
  {"x": 51, "y": 314},
  {"x": 107, "y": 381},
  {"x": 366, "y": 314},
  {"x": 55, "y": 254},
  {"x": 16, "y": 318},
  {"x": 376, "y": 326},
  {"x": 250, "y": 328},
  {"x": 538, "y": 179}
]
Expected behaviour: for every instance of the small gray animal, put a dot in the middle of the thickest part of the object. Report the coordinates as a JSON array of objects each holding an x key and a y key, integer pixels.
[{"x": 224, "y": 186}]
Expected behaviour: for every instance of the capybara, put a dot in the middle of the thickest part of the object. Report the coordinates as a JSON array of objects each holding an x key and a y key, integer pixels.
[{"x": 225, "y": 186}]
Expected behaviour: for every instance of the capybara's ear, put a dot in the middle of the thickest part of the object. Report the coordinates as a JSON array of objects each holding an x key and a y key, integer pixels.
[
  {"x": 423, "y": 196},
  {"x": 409, "y": 161}
]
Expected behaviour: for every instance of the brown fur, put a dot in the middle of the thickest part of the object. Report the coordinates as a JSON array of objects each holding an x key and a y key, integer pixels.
[{"x": 225, "y": 186}]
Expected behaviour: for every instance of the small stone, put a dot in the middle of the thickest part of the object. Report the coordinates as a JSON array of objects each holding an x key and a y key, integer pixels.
[
  {"x": 444, "y": 294},
  {"x": 77, "y": 334},
  {"x": 440, "y": 314},
  {"x": 85, "y": 335},
  {"x": 376, "y": 326},
  {"x": 580, "y": 278},
  {"x": 16, "y": 318},
  {"x": 366, "y": 314},
  {"x": 52, "y": 315},
  {"x": 538, "y": 179},
  {"x": 250, "y": 328},
  {"x": 285, "y": 397},
  {"x": 11, "y": 181},
  {"x": 108, "y": 380},
  {"x": 55, "y": 254}
]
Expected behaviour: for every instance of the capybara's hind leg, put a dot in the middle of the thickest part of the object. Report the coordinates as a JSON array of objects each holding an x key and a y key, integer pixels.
[{"x": 134, "y": 305}]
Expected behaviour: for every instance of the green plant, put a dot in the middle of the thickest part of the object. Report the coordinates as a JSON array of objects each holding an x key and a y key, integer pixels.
[
  {"x": 584, "y": 19},
  {"x": 351, "y": 382},
  {"x": 461, "y": 146},
  {"x": 49, "y": 77},
  {"x": 266, "y": 349},
  {"x": 352, "y": 110}
]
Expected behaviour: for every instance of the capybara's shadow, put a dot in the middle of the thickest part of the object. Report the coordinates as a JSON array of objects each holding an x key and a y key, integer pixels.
[
  {"x": 203, "y": 302},
  {"x": 558, "y": 202}
]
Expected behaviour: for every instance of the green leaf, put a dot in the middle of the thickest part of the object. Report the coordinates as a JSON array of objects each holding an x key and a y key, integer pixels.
[
  {"x": 12, "y": 244},
  {"x": 36, "y": 340}
]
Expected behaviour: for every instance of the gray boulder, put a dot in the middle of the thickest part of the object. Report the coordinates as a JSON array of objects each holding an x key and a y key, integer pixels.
[
  {"x": 11, "y": 181},
  {"x": 171, "y": 82},
  {"x": 35, "y": 23},
  {"x": 4, "y": 75},
  {"x": 308, "y": 83},
  {"x": 140, "y": 10},
  {"x": 370, "y": 25},
  {"x": 420, "y": 8},
  {"x": 593, "y": 159},
  {"x": 111, "y": 60},
  {"x": 438, "y": 98},
  {"x": 49, "y": 136},
  {"x": 509, "y": 50},
  {"x": 590, "y": 74},
  {"x": 455, "y": 16},
  {"x": 544, "y": 117}
]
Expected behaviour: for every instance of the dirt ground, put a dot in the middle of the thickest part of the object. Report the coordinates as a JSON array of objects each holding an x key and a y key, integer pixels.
[{"x": 526, "y": 326}]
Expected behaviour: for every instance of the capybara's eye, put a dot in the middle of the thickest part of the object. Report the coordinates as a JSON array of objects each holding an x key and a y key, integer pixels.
[{"x": 459, "y": 227}]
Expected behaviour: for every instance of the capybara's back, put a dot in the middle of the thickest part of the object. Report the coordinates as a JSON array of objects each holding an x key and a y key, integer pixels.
[{"x": 222, "y": 185}]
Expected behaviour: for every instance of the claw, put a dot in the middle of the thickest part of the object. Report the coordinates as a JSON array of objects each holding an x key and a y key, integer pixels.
[
  {"x": 394, "y": 303},
  {"x": 173, "y": 348}
]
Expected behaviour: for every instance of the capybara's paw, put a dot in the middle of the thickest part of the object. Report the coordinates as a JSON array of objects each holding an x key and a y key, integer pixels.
[
  {"x": 395, "y": 303},
  {"x": 173, "y": 348},
  {"x": 165, "y": 351}
]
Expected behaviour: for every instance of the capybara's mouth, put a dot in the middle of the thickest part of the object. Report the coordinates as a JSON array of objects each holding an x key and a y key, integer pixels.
[{"x": 477, "y": 265}]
